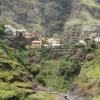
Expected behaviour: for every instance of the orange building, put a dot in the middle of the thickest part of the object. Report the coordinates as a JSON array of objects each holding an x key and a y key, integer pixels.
[{"x": 33, "y": 35}]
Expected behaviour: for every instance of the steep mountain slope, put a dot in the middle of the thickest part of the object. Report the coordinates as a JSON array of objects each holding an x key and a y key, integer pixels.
[
  {"x": 48, "y": 16},
  {"x": 15, "y": 81},
  {"x": 87, "y": 83},
  {"x": 85, "y": 16},
  {"x": 38, "y": 15}
]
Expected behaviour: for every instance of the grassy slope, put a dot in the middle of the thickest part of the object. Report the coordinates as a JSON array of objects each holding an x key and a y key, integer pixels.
[
  {"x": 5, "y": 20},
  {"x": 11, "y": 71},
  {"x": 43, "y": 96},
  {"x": 89, "y": 78},
  {"x": 91, "y": 3},
  {"x": 49, "y": 73},
  {"x": 84, "y": 17}
]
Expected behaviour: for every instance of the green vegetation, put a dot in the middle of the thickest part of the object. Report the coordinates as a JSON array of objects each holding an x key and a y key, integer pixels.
[
  {"x": 49, "y": 17},
  {"x": 84, "y": 17},
  {"x": 96, "y": 98},
  {"x": 42, "y": 96},
  {"x": 88, "y": 79},
  {"x": 16, "y": 78},
  {"x": 23, "y": 70},
  {"x": 35, "y": 15},
  {"x": 91, "y": 3}
]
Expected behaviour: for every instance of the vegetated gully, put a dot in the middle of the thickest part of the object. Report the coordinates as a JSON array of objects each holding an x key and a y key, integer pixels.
[{"x": 62, "y": 96}]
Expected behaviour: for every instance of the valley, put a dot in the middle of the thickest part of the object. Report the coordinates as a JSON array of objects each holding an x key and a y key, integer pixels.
[{"x": 49, "y": 50}]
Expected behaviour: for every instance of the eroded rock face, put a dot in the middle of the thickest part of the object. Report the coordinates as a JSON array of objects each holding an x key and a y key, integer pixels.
[
  {"x": 72, "y": 96},
  {"x": 46, "y": 15},
  {"x": 82, "y": 18},
  {"x": 76, "y": 93},
  {"x": 50, "y": 16}
]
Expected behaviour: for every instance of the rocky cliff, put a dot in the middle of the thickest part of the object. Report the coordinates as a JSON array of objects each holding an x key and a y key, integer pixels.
[
  {"x": 51, "y": 16},
  {"x": 42, "y": 15},
  {"x": 84, "y": 16}
]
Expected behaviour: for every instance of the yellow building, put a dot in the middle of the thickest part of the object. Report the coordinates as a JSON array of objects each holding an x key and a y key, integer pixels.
[
  {"x": 49, "y": 42},
  {"x": 35, "y": 44},
  {"x": 53, "y": 41}
]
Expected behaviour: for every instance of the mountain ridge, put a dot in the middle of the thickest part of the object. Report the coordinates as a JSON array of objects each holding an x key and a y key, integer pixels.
[
  {"x": 51, "y": 17},
  {"x": 34, "y": 14}
]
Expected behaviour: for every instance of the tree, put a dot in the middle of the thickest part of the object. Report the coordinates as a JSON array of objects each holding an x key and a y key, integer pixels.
[{"x": 2, "y": 30}]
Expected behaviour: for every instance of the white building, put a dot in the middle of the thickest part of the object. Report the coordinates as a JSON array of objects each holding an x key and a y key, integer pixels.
[
  {"x": 97, "y": 39},
  {"x": 14, "y": 31},
  {"x": 82, "y": 42},
  {"x": 93, "y": 35},
  {"x": 25, "y": 32},
  {"x": 55, "y": 45},
  {"x": 9, "y": 28}
]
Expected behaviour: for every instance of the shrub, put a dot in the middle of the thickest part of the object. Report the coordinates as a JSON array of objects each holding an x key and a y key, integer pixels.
[
  {"x": 89, "y": 49},
  {"x": 93, "y": 44},
  {"x": 2, "y": 30},
  {"x": 41, "y": 80},
  {"x": 89, "y": 57},
  {"x": 35, "y": 70},
  {"x": 61, "y": 71}
]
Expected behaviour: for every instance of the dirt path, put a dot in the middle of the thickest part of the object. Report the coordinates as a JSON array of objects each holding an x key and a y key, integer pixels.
[{"x": 61, "y": 96}]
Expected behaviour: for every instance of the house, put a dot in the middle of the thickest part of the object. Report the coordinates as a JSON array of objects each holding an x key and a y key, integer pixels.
[
  {"x": 93, "y": 35},
  {"x": 35, "y": 44},
  {"x": 7, "y": 27},
  {"x": 97, "y": 39},
  {"x": 22, "y": 32},
  {"x": 11, "y": 29},
  {"x": 14, "y": 31},
  {"x": 33, "y": 35},
  {"x": 36, "y": 34},
  {"x": 35, "y": 40},
  {"x": 75, "y": 39},
  {"x": 73, "y": 35},
  {"x": 54, "y": 45},
  {"x": 82, "y": 42},
  {"x": 51, "y": 42}
]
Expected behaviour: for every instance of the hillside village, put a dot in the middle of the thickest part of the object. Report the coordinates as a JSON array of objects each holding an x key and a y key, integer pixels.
[
  {"x": 49, "y": 49},
  {"x": 39, "y": 65},
  {"x": 36, "y": 40}
]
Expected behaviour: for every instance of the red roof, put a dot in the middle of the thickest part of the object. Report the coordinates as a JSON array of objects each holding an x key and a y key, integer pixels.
[{"x": 35, "y": 33}]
